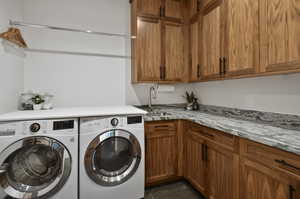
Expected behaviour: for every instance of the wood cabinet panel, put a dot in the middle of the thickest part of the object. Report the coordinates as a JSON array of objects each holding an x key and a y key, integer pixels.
[
  {"x": 261, "y": 182},
  {"x": 195, "y": 165},
  {"x": 280, "y": 30},
  {"x": 277, "y": 159},
  {"x": 161, "y": 153},
  {"x": 174, "y": 51},
  {"x": 194, "y": 51},
  {"x": 174, "y": 9},
  {"x": 149, "y": 8},
  {"x": 241, "y": 37},
  {"x": 148, "y": 49},
  {"x": 194, "y": 6},
  {"x": 223, "y": 172},
  {"x": 211, "y": 44}
]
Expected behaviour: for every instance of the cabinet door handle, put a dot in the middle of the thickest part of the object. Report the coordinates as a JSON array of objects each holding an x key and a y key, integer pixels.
[
  {"x": 198, "y": 70},
  {"x": 284, "y": 163},
  {"x": 198, "y": 5},
  {"x": 291, "y": 190},
  {"x": 206, "y": 153},
  {"x": 160, "y": 11},
  {"x": 224, "y": 65},
  {"x": 203, "y": 152},
  {"x": 221, "y": 65},
  {"x": 161, "y": 72},
  {"x": 164, "y": 12}
]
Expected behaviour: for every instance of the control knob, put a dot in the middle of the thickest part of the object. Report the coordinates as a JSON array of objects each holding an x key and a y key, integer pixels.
[
  {"x": 114, "y": 122},
  {"x": 35, "y": 127}
]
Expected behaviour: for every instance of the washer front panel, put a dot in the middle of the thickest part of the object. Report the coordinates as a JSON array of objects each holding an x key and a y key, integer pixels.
[
  {"x": 112, "y": 157},
  {"x": 34, "y": 167}
]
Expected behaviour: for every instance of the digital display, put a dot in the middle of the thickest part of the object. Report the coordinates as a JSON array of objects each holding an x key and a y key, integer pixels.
[
  {"x": 134, "y": 119},
  {"x": 63, "y": 125}
]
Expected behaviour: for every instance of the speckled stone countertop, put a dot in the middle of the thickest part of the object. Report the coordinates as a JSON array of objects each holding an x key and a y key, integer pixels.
[{"x": 285, "y": 139}]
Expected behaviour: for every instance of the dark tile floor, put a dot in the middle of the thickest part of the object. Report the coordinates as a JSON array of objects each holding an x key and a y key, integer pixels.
[{"x": 178, "y": 190}]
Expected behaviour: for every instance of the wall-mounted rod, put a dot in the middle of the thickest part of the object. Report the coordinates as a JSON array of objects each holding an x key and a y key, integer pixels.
[
  {"x": 30, "y": 25},
  {"x": 76, "y": 53}
]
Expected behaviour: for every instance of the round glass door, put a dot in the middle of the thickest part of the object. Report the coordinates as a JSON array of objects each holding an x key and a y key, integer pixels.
[
  {"x": 112, "y": 157},
  {"x": 34, "y": 167}
]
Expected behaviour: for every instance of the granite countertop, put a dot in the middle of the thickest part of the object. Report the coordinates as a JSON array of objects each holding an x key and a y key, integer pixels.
[{"x": 285, "y": 139}]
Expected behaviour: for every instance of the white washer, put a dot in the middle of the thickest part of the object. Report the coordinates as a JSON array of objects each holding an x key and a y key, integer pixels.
[
  {"x": 111, "y": 157},
  {"x": 39, "y": 159}
]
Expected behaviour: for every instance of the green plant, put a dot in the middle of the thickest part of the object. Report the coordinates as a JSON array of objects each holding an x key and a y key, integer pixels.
[
  {"x": 37, "y": 99},
  {"x": 190, "y": 98}
]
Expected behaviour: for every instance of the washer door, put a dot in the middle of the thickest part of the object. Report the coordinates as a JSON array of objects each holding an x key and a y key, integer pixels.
[
  {"x": 112, "y": 157},
  {"x": 35, "y": 167}
]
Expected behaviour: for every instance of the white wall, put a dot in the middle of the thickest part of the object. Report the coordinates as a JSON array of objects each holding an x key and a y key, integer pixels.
[
  {"x": 279, "y": 94},
  {"x": 11, "y": 66},
  {"x": 80, "y": 80}
]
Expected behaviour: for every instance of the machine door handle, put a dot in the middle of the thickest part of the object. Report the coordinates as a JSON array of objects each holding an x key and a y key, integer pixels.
[{"x": 3, "y": 168}]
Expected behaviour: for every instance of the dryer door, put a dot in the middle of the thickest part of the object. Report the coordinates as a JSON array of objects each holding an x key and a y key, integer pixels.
[
  {"x": 34, "y": 167},
  {"x": 112, "y": 157}
]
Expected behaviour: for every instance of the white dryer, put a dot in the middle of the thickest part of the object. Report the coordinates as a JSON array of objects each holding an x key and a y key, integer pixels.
[
  {"x": 39, "y": 159},
  {"x": 111, "y": 157}
]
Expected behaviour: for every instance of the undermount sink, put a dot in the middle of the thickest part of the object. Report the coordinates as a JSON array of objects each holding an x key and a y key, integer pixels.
[{"x": 157, "y": 113}]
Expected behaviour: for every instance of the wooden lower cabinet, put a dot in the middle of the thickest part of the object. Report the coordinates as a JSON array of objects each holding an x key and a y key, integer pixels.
[
  {"x": 223, "y": 173},
  {"x": 161, "y": 152},
  {"x": 261, "y": 182},
  {"x": 219, "y": 165},
  {"x": 195, "y": 165}
]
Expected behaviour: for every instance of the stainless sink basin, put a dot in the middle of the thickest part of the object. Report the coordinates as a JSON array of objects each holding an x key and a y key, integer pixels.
[{"x": 158, "y": 113}]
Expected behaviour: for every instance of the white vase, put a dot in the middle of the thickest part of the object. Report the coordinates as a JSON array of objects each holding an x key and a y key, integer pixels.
[{"x": 37, "y": 106}]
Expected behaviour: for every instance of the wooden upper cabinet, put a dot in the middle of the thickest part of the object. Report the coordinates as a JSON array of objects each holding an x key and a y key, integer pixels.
[
  {"x": 194, "y": 51},
  {"x": 280, "y": 30},
  {"x": 148, "y": 49},
  {"x": 149, "y": 8},
  {"x": 211, "y": 43},
  {"x": 223, "y": 172},
  {"x": 195, "y": 165},
  {"x": 174, "y": 9},
  {"x": 241, "y": 48},
  {"x": 174, "y": 51},
  {"x": 261, "y": 182}
]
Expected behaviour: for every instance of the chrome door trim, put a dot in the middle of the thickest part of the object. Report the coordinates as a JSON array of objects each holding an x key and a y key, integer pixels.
[
  {"x": 105, "y": 180},
  {"x": 19, "y": 190}
]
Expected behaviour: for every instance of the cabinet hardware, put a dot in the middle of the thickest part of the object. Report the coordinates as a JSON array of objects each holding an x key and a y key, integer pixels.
[
  {"x": 161, "y": 73},
  {"x": 160, "y": 11},
  {"x": 164, "y": 12},
  {"x": 224, "y": 66},
  {"x": 164, "y": 72},
  {"x": 203, "y": 152},
  {"x": 291, "y": 190},
  {"x": 162, "y": 126},
  {"x": 198, "y": 70},
  {"x": 221, "y": 65},
  {"x": 284, "y": 163},
  {"x": 198, "y": 6}
]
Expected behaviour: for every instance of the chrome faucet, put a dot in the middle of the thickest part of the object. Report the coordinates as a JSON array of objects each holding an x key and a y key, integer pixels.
[{"x": 152, "y": 94}]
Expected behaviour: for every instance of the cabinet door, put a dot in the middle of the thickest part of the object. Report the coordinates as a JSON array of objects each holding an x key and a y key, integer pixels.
[
  {"x": 174, "y": 9},
  {"x": 241, "y": 48},
  {"x": 194, "y": 161},
  {"x": 149, "y": 8},
  {"x": 161, "y": 155},
  {"x": 174, "y": 51},
  {"x": 260, "y": 182},
  {"x": 211, "y": 43},
  {"x": 280, "y": 30},
  {"x": 148, "y": 49},
  {"x": 223, "y": 172},
  {"x": 194, "y": 51}
]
